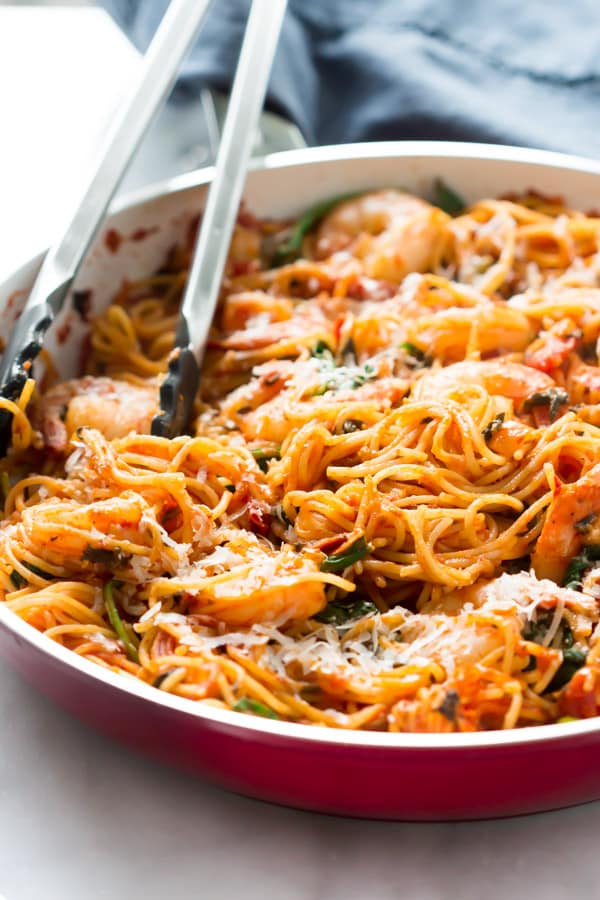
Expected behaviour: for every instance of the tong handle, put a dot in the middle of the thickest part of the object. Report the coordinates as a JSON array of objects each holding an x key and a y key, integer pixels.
[{"x": 180, "y": 385}]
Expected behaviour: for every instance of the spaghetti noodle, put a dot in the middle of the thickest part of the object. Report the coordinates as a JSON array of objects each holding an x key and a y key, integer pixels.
[{"x": 388, "y": 514}]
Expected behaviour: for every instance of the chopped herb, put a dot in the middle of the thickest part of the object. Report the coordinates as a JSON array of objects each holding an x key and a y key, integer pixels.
[
  {"x": 537, "y": 629},
  {"x": 564, "y": 719},
  {"x": 417, "y": 358},
  {"x": 449, "y": 705},
  {"x": 337, "y": 613},
  {"x": 112, "y": 558},
  {"x": 37, "y": 571},
  {"x": 492, "y": 427},
  {"x": 573, "y": 660},
  {"x": 290, "y": 248},
  {"x": 247, "y": 704},
  {"x": 263, "y": 455},
  {"x": 117, "y": 623},
  {"x": 352, "y": 425},
  {"x": 18, "y": 580},
  {"x": 579, "y": 565},
  {"x": 352, "y": 554},
  {"x": 322, "y": 350},
  {"x": 447, "y": 199},
  {"x": 553, "y": 398},
  {"x": 584, "y": 525}
]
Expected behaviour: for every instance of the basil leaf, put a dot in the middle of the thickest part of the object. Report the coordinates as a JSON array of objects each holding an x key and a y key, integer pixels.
[
  {"x": 247, "y": 704},
  {"x": 492, "y": 427},
  {"x": 113, "y": 559},
  {"x": 339, "y": 561},
  {"x": 579, "y": 565},
  {"x": 553, "y": 398},
  {"x": 290, "y": 248},
  {"x": 337, "y": 613},
  {"x": 262, "y": 455},
  {"x": 447, "y": 199},
  {"x": 573, "y": 660},
  {"x": 418, "y": 359}
]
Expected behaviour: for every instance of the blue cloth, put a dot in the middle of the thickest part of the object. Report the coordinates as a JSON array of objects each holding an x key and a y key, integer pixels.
[{"x": 510, "y": 71}]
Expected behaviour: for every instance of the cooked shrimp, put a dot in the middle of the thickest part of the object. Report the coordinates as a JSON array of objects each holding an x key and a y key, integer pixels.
[
  {"x": 559, "y": 540},
  {"x": 393, "y": 233},
  {"x": 246, "y": 582},
  {"x": 251, "y": 308},
  {"x": 113, "y": 407},
  {"x": 498, "y": 377}
]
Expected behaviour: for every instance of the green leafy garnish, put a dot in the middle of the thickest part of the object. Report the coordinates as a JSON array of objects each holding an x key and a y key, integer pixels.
[
  {"x": 492, "y": 427},
  {"x": 417, "y": 358},
  {"x": 447, "y": 199},
  {"x": 113, "y": 559},
  {"x": 18, "y": 580},
  {"x": 553, "y": 398},
  {"x": 262, "y": 455},
  {"x": 579, "y": 565},
  {"x": 290, "y": 248},
  {"x": 117, "y": 623},
  {"x": 537, "y": 629},
  {"x": 573, "y": 660},
  {"x": 337, "y": 613},
  {"x": 339, "y": 561},
  {"x": 247, "y": 704},
  {"x": 322, "y": 350}
]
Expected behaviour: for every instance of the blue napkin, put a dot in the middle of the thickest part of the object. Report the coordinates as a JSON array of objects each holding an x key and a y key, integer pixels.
[{"x": 511, "y": 71}]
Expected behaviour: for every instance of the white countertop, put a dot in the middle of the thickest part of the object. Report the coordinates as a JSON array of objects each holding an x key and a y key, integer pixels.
[{"x": 83, "y": 819}]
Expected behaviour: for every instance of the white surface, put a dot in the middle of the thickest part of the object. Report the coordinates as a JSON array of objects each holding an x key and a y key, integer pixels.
[
  {"x": 63, "y": 71},
  {"x": 83, "y": 819}
]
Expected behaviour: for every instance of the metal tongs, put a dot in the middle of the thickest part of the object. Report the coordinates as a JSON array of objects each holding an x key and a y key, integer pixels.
[
  {"x": 179, "y": 388},
  {"x": 161, "y": 63}
]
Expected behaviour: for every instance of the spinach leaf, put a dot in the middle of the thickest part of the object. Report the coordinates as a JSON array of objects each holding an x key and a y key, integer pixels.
[
  {"x": 117, "y": 623},
  {"x": 579, "y": 565},
  {"x": 573, "y": 660},
  {"x": 417, "y": 358},
  {"x": 339, "y": 561},
  {"x": 492, "y": 427},
  {"x": 337, "y": 613},
  {"x": 262, "y": 455},
  {"x": 553, "y": 398},
  {"x": 290, "y": 248},
  {"x": 584, "y": 525},
  {"x": 103, "y": 556},
  {"x": 247, "y": 704},
  {"x": 447, "y": 199}
]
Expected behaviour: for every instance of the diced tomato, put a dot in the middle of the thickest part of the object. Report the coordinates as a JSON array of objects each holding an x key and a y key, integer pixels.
[
  {"x": 260, "y": 521},
  {"x": 552, "y": 353}
]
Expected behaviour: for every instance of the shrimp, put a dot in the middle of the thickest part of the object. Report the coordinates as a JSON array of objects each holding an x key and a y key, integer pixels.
[
  {"x": 392, "y": 232},
  {"x": 498, "y": 377},
  {"x": 246, "y": 582},
  {"x": 113, "y": 407},
  {"x": 559, "y": 539}
]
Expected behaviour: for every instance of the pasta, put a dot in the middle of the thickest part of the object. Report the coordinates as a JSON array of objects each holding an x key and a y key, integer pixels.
[{"x": 387, "y": 513}]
